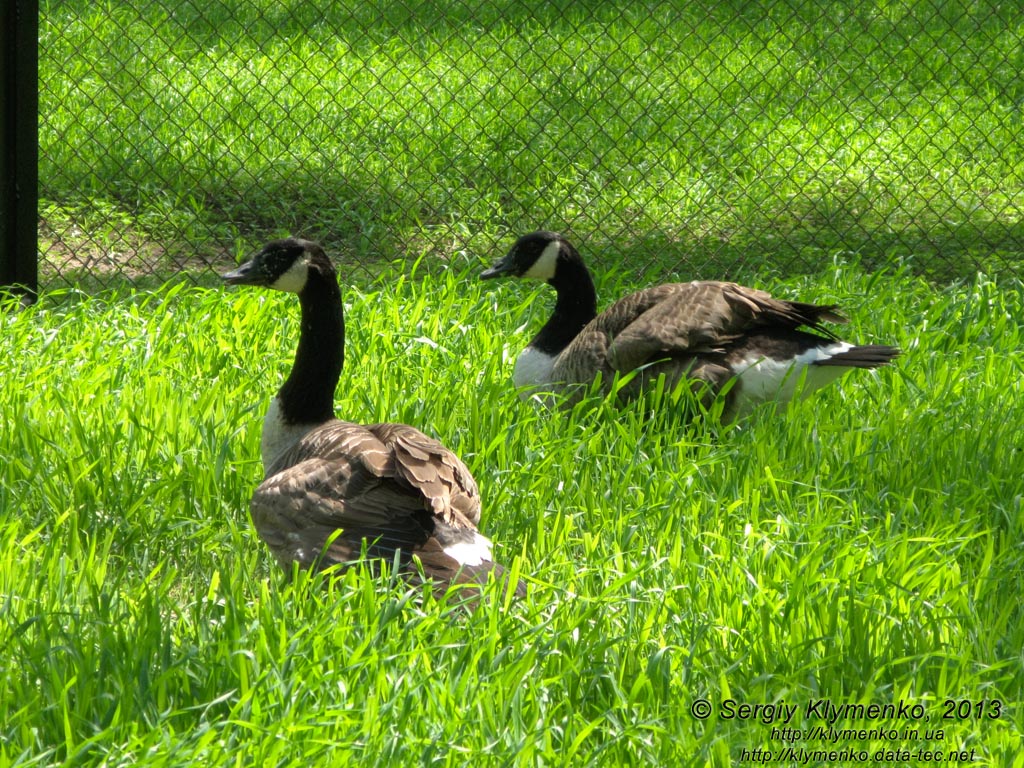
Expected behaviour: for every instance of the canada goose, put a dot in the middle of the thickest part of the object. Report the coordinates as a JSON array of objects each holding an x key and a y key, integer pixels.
[
  {"x": 333, "y": 490},
  {"x": 707, "y": 331}
]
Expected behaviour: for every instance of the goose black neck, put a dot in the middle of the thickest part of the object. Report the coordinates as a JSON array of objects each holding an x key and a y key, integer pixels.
[
  {"x": 307, "y": 396},
  {"x": 575, "y": 305}
]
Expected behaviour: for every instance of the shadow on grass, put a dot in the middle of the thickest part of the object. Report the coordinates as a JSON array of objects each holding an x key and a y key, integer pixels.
[
  {"x": 376, "y": 223},
  {"x": 365, "y": 253},
  {"x": 941, "y": 253},
  {"x": 229, "y": 22}
]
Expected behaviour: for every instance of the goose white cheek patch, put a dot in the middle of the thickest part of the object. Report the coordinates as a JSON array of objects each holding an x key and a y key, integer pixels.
[
  {"x": 544, "y": 267},
  {"x": 294, "y": 279}
]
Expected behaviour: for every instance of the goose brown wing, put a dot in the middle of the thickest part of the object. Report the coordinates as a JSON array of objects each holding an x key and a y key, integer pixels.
[
  {"x": 430, "y": 468},
  {"x": 678, "y": 319},
  {"x": 344, "y": 487},
  {"x": 441, "y": 478},
  {"x": 327, "y": 508},
  {"x": 335, "y": 440}
]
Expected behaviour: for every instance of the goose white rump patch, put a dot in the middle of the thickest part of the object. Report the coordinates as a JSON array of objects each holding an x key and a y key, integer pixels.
[
  {"x": 764, "y": 378},
  {"x": 475, "y": 552}
]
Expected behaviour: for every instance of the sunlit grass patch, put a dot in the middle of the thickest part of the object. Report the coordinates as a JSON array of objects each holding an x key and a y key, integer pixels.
[{"x": 860, "y": 546}]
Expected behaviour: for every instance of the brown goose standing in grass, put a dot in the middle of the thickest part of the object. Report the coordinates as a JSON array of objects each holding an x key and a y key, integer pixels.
[
  {"x": 334, "y": 490},
  {"x": 707, "y": 332}
]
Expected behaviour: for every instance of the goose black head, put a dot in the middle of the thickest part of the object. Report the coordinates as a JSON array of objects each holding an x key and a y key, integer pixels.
[
  {"x": 283, "y": 265},
  {"x": 534, "y": 256}
]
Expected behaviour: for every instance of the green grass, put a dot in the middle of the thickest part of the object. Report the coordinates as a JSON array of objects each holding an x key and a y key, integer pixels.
[
  {"x": 863, "y": 546},
  {"x": 725, "y": 136}
]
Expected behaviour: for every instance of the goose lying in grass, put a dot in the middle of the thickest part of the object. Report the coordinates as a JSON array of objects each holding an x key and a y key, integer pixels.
[
  {"x": 333, "y": 490},
  {"x": 707, "y": 332}
]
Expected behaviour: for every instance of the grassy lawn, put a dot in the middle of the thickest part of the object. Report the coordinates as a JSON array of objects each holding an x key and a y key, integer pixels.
[
  {"x": 862, "y": 547},
  {"x": 722, "y": 136}
]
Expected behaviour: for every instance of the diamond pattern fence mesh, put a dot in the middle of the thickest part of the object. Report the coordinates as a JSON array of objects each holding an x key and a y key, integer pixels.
[{"x": 710, "y": 138}]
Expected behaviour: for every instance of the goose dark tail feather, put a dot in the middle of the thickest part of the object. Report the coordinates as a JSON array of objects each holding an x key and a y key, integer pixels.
[{"x": 866, "y": 356}]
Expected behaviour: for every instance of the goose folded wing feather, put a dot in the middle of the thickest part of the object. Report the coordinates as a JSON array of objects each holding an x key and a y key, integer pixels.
[
  {"x": 678, "y": 319},
  {"x": 433, "y": 471},
  {"x": 329, "y": 507},
  {"x": 765, "y": 310},
  {"x": 337, "y": 440},
  {"x": 682, "y": 319}
]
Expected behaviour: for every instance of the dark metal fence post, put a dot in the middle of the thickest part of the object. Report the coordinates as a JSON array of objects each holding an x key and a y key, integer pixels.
[{"x": 19, "y": 147}]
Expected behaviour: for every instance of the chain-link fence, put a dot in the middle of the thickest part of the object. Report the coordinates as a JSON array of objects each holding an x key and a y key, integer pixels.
[{"x": 712, "y": 138}]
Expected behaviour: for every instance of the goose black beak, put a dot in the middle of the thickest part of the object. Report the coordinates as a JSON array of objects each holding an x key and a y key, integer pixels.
[
  {"x": 247, "y": 274},
  {"x": 502, "y": 267}
]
